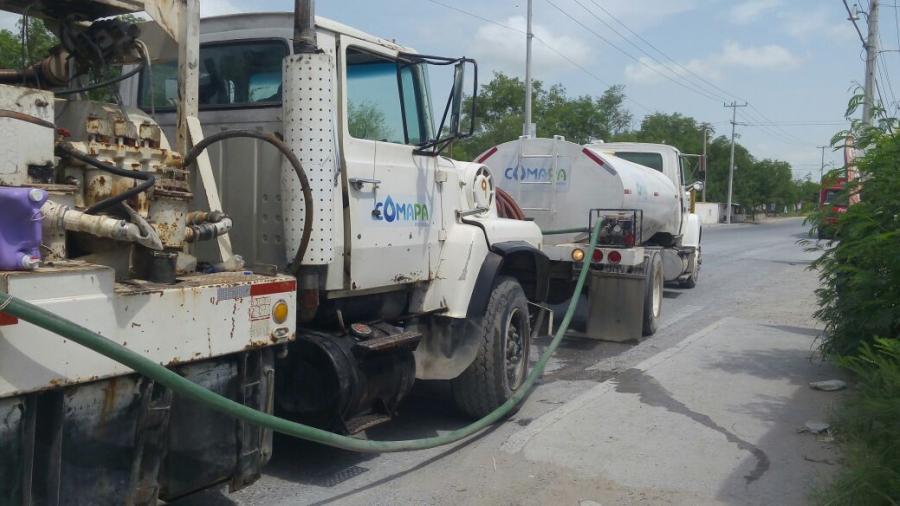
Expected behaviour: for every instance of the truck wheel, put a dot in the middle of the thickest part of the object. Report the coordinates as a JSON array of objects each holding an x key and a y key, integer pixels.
[
  {"x": 502, "y": 361},
  {"x": 691, "y": 281},
  {"x": 653, "y": 294}
]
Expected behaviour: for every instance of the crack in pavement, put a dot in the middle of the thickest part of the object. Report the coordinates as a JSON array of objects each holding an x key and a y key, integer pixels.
[{"x": 652, "y": 393}]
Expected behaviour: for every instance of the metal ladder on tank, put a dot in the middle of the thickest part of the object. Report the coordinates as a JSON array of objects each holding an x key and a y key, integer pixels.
[{"x": 555, "y": 156}]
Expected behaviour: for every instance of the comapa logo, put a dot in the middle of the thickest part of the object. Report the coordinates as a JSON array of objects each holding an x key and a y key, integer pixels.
[
  {"x": 391, "y": 211},
  {"x": 538, "y": 174}
]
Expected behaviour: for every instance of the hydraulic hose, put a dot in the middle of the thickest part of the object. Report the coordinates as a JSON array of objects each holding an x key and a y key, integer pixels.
[
  {"x": 45, "y": 319},
  {"x": 148, "y": 179},
  {"x": 191, "y": 158},
  {"x": 145, "y": 62}
]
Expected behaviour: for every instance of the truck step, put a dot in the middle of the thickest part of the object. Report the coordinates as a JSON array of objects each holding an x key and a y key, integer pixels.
[
  {"x": 404, "y": 339},
  {"x": 364, "y": 422}
]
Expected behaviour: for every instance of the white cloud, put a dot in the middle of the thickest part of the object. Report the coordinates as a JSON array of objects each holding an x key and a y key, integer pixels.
[
  {"x": 770, "y": 56},
  {"x": 816, "y": 23},
  {"x": 647, "y": 13},
  {"x": 749, "y": 10},
  {"x": 500, "y": 49},
  {"x": 732, "y": 56}
]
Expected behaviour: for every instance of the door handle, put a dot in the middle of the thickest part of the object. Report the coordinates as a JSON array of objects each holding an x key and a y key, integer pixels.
[{"x": 358, "y": 182}]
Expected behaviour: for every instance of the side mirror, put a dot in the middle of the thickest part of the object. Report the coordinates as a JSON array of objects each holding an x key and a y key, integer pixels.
[
  {"x": 697, "y": 186},
  {"x": 459, "y": 76}
]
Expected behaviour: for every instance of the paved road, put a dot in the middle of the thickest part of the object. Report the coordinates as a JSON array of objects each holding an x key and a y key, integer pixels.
[{"x": 704, "y": 412}]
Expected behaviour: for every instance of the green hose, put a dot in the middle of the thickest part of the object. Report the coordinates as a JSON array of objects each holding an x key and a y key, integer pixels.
[
  {"x": 562, "y": 231},
  {"x": 65, "y": 328}
]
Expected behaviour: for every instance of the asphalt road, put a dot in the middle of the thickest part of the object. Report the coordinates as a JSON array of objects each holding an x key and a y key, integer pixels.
[{"x": 754, "y": 290}]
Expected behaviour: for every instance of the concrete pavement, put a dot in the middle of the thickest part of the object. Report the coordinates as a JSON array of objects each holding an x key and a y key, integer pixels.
[{"x": 704, "y": 412}]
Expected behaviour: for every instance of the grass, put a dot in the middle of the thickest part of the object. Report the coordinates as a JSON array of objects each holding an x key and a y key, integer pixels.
[{"x": 868, "y": 429}]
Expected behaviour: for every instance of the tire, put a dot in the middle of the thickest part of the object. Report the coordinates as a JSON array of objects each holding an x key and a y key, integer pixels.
[
  {"x": 691, "y": 281},
  {"x": 653, "y": 294},
  {"x": 501, "y": 365}
]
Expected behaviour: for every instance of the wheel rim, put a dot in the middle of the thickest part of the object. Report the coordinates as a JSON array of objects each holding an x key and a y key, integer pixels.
[
  {"x": 515, "y": 348},
  {"x": 657, "y": 292}
]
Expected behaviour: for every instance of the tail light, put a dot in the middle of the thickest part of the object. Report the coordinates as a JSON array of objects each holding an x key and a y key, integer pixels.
[
  {"x": 597, "y": 257},
  {"x": 614, "y": 257},
  {"x": 629, "y": 240}
]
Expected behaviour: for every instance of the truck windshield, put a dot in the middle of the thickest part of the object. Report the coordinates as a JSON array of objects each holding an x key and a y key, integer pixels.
[
  {"x": 234, "y": 74},
  {"x": 652, "y": 160},
  {"x": 834, "y": 197}
]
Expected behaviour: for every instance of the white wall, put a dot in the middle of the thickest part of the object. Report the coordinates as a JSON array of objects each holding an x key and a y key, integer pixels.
[{"x": 707, "y": 211}]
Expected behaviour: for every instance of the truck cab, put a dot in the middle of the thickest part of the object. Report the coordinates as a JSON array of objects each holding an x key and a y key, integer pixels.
[
  {"x": 833, "y": 202},
  {"x": 406, "y": 251}
]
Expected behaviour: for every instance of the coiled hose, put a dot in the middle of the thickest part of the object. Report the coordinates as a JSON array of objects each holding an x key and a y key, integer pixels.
[
  {"x": 279, "y": 144},
  {"x": 70, "y": 330}
]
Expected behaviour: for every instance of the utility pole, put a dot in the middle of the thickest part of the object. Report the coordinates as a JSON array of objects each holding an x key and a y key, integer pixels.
[
  {"x": 871, "y": 46},
  {"x": 526, "y": 129},
  {"x": 704, "y": 158},
  {"x": 734, "y": 107},
  {"x": 822, "y": 168}
]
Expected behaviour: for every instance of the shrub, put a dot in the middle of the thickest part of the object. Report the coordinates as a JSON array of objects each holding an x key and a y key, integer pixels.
[
  {"x": 868, "y": 427},
  {"x": 860, "y": 273}
]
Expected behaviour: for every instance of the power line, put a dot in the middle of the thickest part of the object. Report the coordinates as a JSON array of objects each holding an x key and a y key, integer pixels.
[
  {"x": 884, "y": 72},
  {"x": 853, "y": 18},
  {"x": 629, "y": 55},
  {"x": 664, "y": 55},
  {"x": 673, "y": 72},
  {"x": 543, "y": 43}
]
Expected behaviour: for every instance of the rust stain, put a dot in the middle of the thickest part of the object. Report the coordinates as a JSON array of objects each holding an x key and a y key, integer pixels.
[{"x": 109, "y": 398}]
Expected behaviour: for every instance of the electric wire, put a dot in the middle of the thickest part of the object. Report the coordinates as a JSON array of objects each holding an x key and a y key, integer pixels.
[
  {"x": 629, "y": 55},
  {"x": 666, "y": 56},
  {"x": 544, "y": 43},
  {"x": 676, "y": 74}
]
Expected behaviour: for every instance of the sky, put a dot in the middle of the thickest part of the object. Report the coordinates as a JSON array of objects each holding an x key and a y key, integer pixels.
[{"x": 795, "y": 61}]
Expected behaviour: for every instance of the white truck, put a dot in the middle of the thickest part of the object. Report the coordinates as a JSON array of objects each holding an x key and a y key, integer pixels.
[
  {"x": 649, "y": 234},
  {"x": 403, "y": 268},
  {"x": 98, "y": 224},
  {"x": 409, "y": 271}
]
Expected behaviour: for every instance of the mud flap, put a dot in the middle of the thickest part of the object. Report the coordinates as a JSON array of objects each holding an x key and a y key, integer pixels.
[{"x": 616, "y": 306}]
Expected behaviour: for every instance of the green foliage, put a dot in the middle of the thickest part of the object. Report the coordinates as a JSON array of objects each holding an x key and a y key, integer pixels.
[
  {"x": 40, "y": 40},
  {"x": 868, "y": 426},
  {"x": 366, "y": 121},
  {"x": 860, "y": 274},
  {"x": 500, "y": 114},
  {"x": 756, "y": 182}
]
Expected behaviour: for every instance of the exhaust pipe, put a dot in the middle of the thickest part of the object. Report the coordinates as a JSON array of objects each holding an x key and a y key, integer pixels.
[{"x": 305, "y": 27}]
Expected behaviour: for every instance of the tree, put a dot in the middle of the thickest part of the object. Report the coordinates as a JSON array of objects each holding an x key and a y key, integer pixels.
[
  {"x": 40, "y": 41},
  {"x": 500, "y": 113}
]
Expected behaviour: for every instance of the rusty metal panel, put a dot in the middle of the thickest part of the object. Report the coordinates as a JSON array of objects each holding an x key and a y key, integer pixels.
[
  {"x": 201, "y": 316},
  {"x": 24, "y": 143}
]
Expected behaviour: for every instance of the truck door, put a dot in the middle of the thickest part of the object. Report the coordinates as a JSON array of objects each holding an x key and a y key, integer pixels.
[{"x": 391, "y": 192}]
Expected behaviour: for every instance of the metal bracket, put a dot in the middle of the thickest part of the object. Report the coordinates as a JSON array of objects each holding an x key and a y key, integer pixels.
[{"x": 358, "y": 182}]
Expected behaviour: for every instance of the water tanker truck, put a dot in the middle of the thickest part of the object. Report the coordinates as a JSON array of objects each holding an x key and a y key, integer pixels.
[{"x": 648, "y": 236}]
